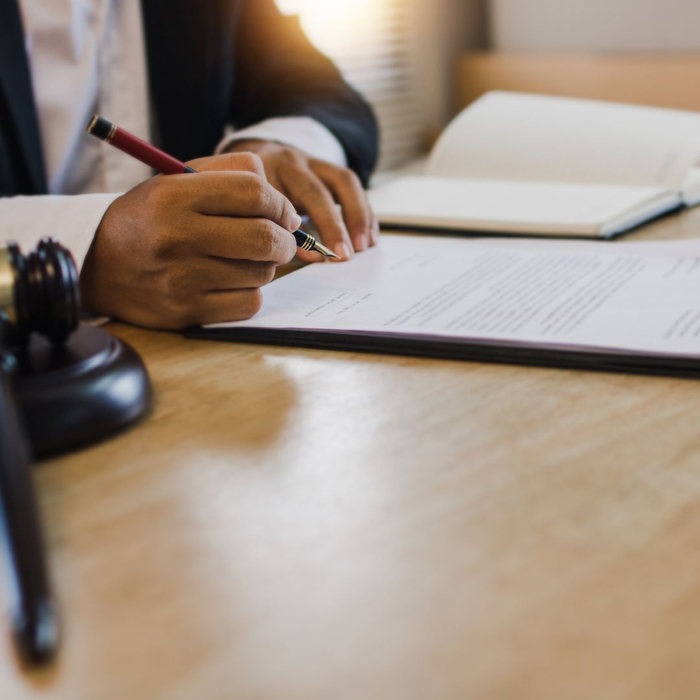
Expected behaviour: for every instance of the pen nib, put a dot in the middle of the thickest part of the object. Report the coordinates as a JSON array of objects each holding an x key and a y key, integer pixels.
[{"x": 325, "y": 251}]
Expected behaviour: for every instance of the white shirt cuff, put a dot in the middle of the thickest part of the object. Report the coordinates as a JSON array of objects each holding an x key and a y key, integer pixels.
[
  {"x": 71, "y": 220},
  {"x": 303, "y": 133}
]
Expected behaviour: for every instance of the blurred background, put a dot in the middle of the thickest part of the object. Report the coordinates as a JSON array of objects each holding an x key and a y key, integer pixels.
[{"x": 420, "y": 61}]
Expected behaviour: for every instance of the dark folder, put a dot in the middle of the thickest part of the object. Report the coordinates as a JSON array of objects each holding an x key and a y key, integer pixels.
[{"x": 560, "y": 356}]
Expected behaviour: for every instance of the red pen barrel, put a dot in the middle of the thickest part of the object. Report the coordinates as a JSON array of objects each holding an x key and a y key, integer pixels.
[
  {"x": 136, "y": 147},
  {"x": 146, "y": 153}
]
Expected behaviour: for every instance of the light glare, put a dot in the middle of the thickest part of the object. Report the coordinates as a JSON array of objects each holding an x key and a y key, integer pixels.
[{"x": 333, "y": 25}]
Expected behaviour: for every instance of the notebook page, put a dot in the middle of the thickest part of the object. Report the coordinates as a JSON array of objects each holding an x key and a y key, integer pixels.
[
  {"x": 630, "y": 296},
  {"x": 512, "y": 136}
]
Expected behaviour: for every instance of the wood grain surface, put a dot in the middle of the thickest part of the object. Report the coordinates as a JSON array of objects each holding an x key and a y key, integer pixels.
[{"x": 306, "y": 525}]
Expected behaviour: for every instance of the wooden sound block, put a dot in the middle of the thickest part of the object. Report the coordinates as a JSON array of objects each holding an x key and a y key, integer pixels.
[{"x": 77, "y": 394}]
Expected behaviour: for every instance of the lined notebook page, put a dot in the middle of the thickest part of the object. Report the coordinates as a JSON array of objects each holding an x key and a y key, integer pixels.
[{"x": 512, "y": 136}]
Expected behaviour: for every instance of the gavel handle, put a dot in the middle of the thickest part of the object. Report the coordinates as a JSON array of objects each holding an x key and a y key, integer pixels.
[{"x": 34, "y": 619}]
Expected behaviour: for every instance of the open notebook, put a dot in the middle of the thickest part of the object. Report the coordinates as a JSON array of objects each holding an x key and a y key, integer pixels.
[
  {"x": 624, "y": 307},
  {"x": 530, "y": 164}
]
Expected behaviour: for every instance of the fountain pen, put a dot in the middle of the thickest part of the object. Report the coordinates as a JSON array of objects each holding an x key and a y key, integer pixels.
[{"x": 167, "y": 165}]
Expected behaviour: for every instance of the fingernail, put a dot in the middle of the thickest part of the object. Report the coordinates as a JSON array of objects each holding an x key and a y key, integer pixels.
[
  {"x": 296, "y": 221},
  {"x": 361, "y": 242},
  {"x": 343, "y": 249}
]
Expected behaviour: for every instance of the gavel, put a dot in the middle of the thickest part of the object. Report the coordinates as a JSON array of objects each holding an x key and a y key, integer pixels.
[{"x": 39, "y": 293}]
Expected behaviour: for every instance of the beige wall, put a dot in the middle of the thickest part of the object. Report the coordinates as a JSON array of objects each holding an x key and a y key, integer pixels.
[
  {"x": 444, "y": 29},
  {"x": 595, "y": 25}
]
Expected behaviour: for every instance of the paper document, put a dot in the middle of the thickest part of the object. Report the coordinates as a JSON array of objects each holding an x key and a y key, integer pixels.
[{"x": 638, "y": 297}]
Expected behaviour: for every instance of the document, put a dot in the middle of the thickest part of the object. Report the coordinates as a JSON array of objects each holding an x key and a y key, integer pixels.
[{"x": 630, "y": 297}]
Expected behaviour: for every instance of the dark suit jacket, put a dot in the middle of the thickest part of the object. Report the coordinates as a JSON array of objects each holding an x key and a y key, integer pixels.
[{"x": 210, "y": 63}]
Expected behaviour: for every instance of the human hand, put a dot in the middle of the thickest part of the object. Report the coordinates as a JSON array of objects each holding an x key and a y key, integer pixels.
[
  {"x": 180, "y": 250},
  {"x": 314, "y": 187}
]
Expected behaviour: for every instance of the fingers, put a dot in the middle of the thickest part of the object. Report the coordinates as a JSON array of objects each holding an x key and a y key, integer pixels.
[
  {"x": 232, "y": 162},
  {"x": 374, "y": 230},
  {"x": 186, "y": 279},
  {"x": 240, "y": 194},
  {"x": 349, "y": 193},
  {"x": 219, "y": 274},
  {"x": 309, "y": 193},
  {"x": 314, "y": 186},
  {"x": 206, "y": 290},
  {"x": 220, "y": 307},
  {"x": 209, "y": 307},
  {"x": 259, "y": 240}
]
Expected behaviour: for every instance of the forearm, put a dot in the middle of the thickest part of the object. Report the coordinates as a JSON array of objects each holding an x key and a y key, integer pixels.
[{"x": 281, "y": 74}]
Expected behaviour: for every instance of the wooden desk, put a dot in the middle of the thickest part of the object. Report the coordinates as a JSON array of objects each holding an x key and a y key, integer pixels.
[{"x": 306, "y": 525}]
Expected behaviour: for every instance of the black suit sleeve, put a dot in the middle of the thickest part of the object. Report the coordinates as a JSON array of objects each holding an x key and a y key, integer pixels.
[{"x": 279, "y": 73}]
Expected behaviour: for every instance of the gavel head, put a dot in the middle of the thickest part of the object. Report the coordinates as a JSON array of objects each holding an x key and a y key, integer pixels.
[{"x": 39, "y": 292}]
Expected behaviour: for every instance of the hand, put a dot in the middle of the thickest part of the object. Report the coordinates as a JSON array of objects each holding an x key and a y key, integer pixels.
[
  {"x": 179, "y": 250},
  {"x": 313, "y": 187}
]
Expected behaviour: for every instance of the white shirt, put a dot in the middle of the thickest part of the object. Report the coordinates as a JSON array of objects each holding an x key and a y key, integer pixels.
[{"x": 88, "y": 57}]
